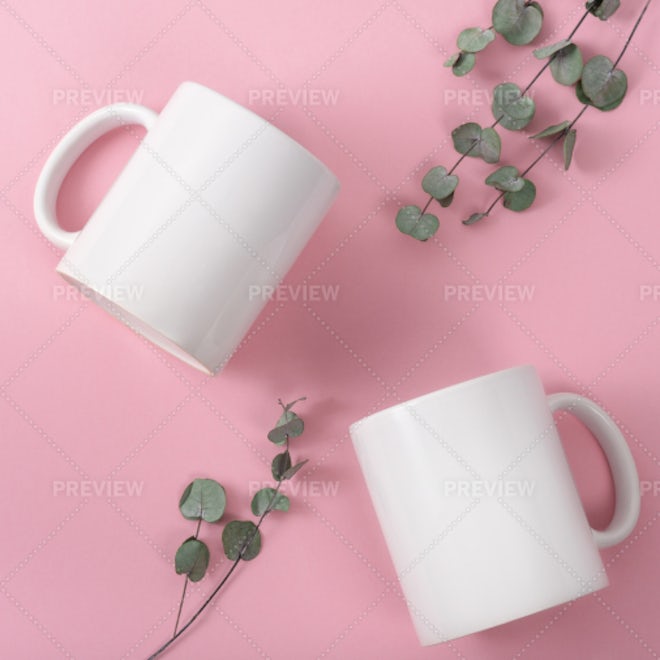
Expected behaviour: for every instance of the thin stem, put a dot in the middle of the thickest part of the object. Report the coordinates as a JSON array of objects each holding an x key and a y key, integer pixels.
[
  {"x": 185, "y": 584},
  {"x": 183, "y": 597},
  {"x": 632, "y": 33},
  {"x": 227, "y": 575}
]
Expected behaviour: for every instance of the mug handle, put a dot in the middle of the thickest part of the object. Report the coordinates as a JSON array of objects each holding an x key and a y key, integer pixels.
[
  {"x": 65, "y": 154},
  {"x": 620, "y": 459}
]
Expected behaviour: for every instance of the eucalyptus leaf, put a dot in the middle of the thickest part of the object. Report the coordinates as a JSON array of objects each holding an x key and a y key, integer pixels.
[
  {"x": 518, "y": 21},
  {"x": 604, "y": 86},
  {"x": 603, "y": 9},
  {"x": 288, "y": 426},
  {"x": 203, "y": 499},
  {"x": 192, "y": 559},
  {"x": 281, "y": 463},
  {"x": 521, "y": 200},
  {"x": 292, "y": 470},
  {"x": 547, "y": 51},
  {"x": 241, "y": 538},
  {"x": 452, "y": 59},
  {"x": 551, "y": 130},
  {"x": 569, "y": 145},
  {"x": 269, "y": 499},
  {"x": 466, "y": 139},
  {"x": 506, "y": 179},
  {"x": 464, "y": 64},
  {"x": 566, "y": 65},
  {"x": 475, "y": 217},
  {"x": 471, "y": 140},
  {"x": 579, "y": 92},
  {"x": 490, "y": 145},
  {"x": 438, "y": 183},
  {"x": 410, "y": 221},
  {"x": 445, "y": 202},
  {"x": 513, "y": 110},
  {"x": 472, "y": 40}
]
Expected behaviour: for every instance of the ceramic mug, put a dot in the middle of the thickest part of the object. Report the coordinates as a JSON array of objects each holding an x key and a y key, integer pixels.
[
  {"x": 214, "y": 204},
  {"x": 477, "y": 504}
]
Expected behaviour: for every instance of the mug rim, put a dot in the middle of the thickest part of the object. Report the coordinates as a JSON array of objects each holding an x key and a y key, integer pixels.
[
  {"x": 192, "y": 83},
  {"x": 443, "y": 390}
]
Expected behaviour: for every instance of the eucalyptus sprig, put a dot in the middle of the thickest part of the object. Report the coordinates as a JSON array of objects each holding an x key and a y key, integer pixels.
[
  {"x": 519, "y": 22},
  {"x": 204, "y": 500},
  {"x": 600, "y": 85}
]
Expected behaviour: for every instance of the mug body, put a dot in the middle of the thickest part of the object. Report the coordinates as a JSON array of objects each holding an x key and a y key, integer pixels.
[
  {"x": 477, "y": 504},
  {"x": 215, "y": 204}
]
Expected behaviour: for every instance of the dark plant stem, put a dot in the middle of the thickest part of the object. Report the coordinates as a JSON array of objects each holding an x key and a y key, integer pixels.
[
  {"x": 524, "y": 91},
  {"x": 632, "y": 33},
  {"x": 226, "y": 577},
  {"x": 185, "y": 584}
]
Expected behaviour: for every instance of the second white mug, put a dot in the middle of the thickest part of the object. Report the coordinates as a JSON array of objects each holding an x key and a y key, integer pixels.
[{"x": 478, "y": 506}]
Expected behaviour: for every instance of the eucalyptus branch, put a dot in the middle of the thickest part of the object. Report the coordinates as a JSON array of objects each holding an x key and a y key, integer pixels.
[
  {"x": 609, "y": 93},
  {"x": 526, "y": 89},
  {"x": 597, "y": 83},
  {"x": 204, "y": 499},
  {"x": 222, "y": 582}
]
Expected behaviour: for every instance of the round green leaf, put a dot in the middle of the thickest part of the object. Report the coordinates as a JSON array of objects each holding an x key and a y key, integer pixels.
[
  {"x": 269, "y": 498},
  {"x": 566, "y": 65},
  {"x": 205, "y": 499},
  {"x": 506, "y": 179},
  {"x": 521, "y": 200},
  {"x": 466, "y": 139},
  {"x": 579, "y": 92},
  {"x": 438, "y": 183},
  {"x": 490, "y": 145},
  {"x": 464, "y": 64},
  {"x": 241, "y": 538},
  {"x": 475, "y": 217},
  {"x": 446, "y": 201},
  {"x": 452, "y": 59},
  {"x": 192, "y": 559},
  {"x": 547, "y": 51},
  {"x": 472, "y": 40},
  {"x": 569, "y": 145},
  {"x": 410, "y": 221},
  {"x": 604, "y": 86},
  {"x": 289, "y": 425},
  {"x": 513, "y": 110},
  {"x": 293, "y": 470},
  {"x": 281, "y": 463},
  {"x": 519, "y": 22},
  {"x": 551, "y": 130},
  {"x": 603, "y": 8}
]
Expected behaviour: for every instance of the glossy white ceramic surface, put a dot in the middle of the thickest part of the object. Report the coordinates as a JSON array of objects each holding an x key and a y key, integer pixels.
[
  {"x": 478, "y": 505},
  {"x": 214, "y": 204}
]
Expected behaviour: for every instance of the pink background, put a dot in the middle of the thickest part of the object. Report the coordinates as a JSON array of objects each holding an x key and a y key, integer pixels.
[{"x": 84, "y": 400}]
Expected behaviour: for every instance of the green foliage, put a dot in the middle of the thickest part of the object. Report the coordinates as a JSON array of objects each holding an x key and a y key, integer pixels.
[
  {"x": 411, "y": 221},
  {"x": 203, "y": 499},
  {"x": 513, "y": 110},
  {"x": 471, "y": 140},
  {"x": 192, "y": 559},
  {"x": 241, "y": 539},
  {"x": 518, "y": 21},
  {"x": 521, "y": 199},
  {"x": 268, "y": 499},
  {"x": 438, "y": 183}
]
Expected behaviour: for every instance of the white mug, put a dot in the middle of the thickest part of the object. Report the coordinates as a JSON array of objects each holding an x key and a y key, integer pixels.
[
  {"x": 477, "y": 504},
  {"x": 214, "y": 203}
]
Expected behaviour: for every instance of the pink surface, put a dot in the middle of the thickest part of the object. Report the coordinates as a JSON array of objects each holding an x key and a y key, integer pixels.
[{"x": 84, "y": 400}]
